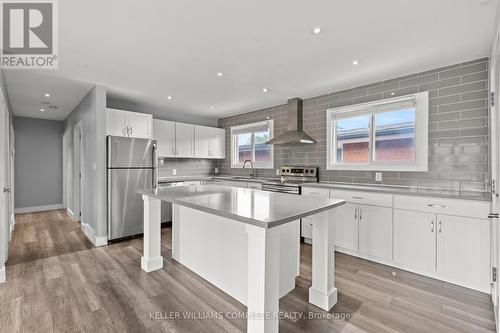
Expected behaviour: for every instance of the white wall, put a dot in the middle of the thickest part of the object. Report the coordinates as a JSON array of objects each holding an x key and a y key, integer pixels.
[{"x": 91, "y": 114}]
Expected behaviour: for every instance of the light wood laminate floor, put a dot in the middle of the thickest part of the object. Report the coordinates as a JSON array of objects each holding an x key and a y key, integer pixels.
[{"x": 56, "y": 282}]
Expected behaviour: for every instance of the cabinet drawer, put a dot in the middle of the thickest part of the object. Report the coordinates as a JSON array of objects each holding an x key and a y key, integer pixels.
[
  {"x": 457, "y": 207},
  {"x": 365, "y": 198},
  {"x": 321, "y": 192}
]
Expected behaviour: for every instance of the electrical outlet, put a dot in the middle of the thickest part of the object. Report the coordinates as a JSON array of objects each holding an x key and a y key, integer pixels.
[
  {"x": 174, "y": 172},
  {"x": 216, "y": 171},
  {"x": 277, "y": 172},
  {"x": 378, "y": 176}
]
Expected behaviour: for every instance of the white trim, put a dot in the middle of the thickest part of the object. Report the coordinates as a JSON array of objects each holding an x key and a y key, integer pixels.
[
  {"x": 421, "y": 135},
  {"x": 3, "y": 275},
  {"x": 251, "y": 126},
  {"x": 34, "y": 209},
  {"x": 91, "y": 235}
]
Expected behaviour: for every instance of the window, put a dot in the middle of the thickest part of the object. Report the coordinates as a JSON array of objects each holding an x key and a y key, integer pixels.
[
  {"x": 386, "y": 135},
  {"x": 248, "y": 142}
]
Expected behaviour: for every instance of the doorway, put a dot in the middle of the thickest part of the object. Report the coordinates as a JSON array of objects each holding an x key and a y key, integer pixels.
[{"x": 78, "y": 171}]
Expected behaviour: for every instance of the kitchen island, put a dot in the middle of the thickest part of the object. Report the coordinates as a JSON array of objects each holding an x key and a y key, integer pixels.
[{"x": 245, "y": 242}]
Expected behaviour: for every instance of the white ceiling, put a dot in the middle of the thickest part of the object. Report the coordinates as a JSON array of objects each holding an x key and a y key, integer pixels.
[{"x": 146, "y": 50}]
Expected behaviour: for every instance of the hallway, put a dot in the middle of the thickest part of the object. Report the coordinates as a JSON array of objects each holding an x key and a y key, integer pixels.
[{"x": 43, "y": 235}]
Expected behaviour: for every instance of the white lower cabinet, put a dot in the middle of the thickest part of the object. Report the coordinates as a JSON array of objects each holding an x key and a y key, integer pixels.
[
  {"x": 346, "y": 226},
  {"x": 375, "y": 231},
  {"x": 447, "y": 239},
  {"x": 415, "y": 240},
  {"x": 463, "y": 250},
  {"x": 453, "y": 248}
]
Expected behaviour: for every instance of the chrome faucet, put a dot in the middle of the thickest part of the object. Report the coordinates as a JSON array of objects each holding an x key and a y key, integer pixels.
[{"x": 252, "y": 175}]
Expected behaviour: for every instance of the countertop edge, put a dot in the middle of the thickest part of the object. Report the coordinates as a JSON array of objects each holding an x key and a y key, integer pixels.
[{"x": 246, "y": 220}]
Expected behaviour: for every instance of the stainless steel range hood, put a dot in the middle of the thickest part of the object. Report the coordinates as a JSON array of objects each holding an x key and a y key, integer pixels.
[{"x": 294, "y": 135}]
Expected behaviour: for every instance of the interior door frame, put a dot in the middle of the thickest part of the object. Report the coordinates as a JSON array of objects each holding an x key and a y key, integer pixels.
[
  {"x": 494, "y": 162},
  {"x": 78, "y": 171},
  {"x": 4, "y": 183}
]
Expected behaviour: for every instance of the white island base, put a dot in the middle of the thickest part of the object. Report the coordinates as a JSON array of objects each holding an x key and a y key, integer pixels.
[{"x": 255, "y": 265}]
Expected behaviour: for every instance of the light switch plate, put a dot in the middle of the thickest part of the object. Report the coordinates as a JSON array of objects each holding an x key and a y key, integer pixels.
[
  {"x": 277, "y": 172},
  {"x": 378, "y": 176},
  {"x": 174, "y": 172},
  {"x": 216, "y": 171},
  {"x": 94, "y": 166}
]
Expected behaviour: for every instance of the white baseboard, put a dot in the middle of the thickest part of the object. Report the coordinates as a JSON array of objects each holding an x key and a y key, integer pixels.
[
  {"x": 91, "y": 235},
  {"x": 2, "y": 274},
  {"x": 37, "y": 209}
]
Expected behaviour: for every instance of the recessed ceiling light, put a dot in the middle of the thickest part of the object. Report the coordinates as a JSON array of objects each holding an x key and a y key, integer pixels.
[
  {"x": 42, "y": 110},
  {"x": 265, "y": 90},
  {"x": 211, "y": 106},
  {"x": 47, "y": 95},
  {"x": 355, "y": 62},
  {"x": 170, "y": 98},
  {"x": 316, "y": 30},
  {"x": 219, "y": 74}
]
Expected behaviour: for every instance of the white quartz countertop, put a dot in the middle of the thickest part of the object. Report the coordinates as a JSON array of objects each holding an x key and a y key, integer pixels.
[{"x": 261, "y": 208}]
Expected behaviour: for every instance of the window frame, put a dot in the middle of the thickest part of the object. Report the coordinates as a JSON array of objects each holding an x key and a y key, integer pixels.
[
  {"x": 251, "y": 126},
  {"x": 371, "y": 108}
]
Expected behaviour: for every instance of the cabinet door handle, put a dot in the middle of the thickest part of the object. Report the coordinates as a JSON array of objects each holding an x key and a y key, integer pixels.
[
  {"x": 439, "y": 227},
  {"x": 432, "y": 226},
  {"x": 436, "y": 206},
  {"x": 356, "y": 214},
  {"x": 359, "y": 198},
  {"x": 131, "y": 130},
  {"x": 360, "y": 214}
]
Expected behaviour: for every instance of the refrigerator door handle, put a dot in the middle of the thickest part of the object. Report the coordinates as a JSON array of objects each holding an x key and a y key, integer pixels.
[{"x": 155, "y": 162}]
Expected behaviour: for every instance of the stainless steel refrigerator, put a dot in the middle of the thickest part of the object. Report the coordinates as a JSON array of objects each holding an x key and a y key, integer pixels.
[{"x": 131, "y": 165}]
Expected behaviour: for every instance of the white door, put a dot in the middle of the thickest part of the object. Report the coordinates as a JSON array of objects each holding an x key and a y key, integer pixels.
[
  {"x": 202, "y": 136},
  {"x": 463, "y": 247},
  {"x": 375, "y": 231},
  {"x": 4, "y": 186},
  {"x": 217, "y": 143},
  {"x": 116, "y": 123},
  {"x": 12, "y": 176},
  {"x": 78, "y": 169},
  {"x": 184, "y": 140},
  {"x": 139, "y": 125},
  {"x": 164, "y": 134},
  {"x": 415, "y": 240},
  {"x": 346, "y": 226}
]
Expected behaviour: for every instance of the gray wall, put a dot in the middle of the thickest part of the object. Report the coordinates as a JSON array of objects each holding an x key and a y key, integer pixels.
[
  {"x": 38, "y": 162},
  {"x": 91, "y": 113},
  {"x": 458, "y": 128},
  {"x": 186, "y": 167}
]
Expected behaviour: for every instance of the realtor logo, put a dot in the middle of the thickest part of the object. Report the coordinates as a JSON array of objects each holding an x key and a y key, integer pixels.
[{"x": 29, "y": 34}]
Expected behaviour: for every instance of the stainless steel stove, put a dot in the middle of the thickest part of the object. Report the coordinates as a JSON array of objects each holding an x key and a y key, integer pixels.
[{"x": 291, "y": 179}]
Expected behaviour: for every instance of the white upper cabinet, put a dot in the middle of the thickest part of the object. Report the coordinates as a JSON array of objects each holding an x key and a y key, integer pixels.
[
  {"x": 129, "y": 124},
  {"x": 174, "y": 139},
  {"x": 164, "y": 134},
  {"x": 184, "y": 140},
  {"x": 209, "y": 142}
]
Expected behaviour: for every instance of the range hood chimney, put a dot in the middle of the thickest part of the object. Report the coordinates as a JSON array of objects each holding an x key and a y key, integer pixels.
[{"x": 294, "y": 135}]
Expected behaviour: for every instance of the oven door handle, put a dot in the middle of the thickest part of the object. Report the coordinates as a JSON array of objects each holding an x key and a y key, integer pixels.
[{"x": 279, "y": 191}]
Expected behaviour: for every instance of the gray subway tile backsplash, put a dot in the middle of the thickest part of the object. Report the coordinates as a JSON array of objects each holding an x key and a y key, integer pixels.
[{"x": 458, "y": 128}]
